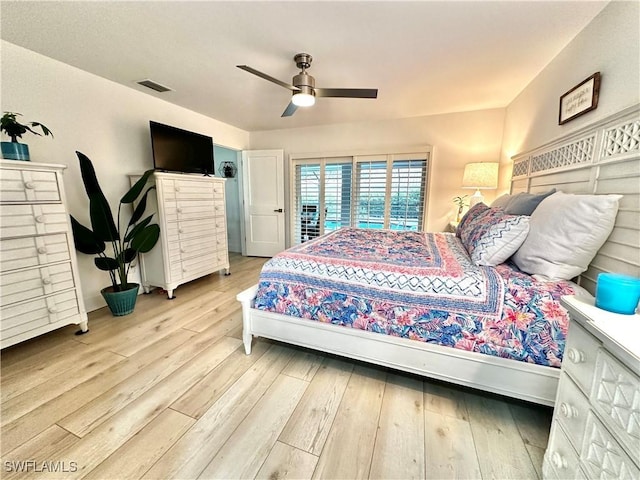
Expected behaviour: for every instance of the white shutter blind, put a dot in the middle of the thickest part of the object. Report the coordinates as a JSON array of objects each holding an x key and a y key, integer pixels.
[
  {"x": 306, "y": 210},
  {"x": 371, "y": 192},
  {"x": 337, "y": 195},
  {"x": 408, "y": 189}
]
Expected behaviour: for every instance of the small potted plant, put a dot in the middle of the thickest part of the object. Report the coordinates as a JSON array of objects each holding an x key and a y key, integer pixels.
[
  {"x": 138, "y": 236},
  {"x": 14, "y": 129},
  {"x": 461, "y": 202}
]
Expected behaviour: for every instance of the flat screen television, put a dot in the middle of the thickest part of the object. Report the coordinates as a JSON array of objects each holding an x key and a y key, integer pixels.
[{"x": 177, "y": 150}]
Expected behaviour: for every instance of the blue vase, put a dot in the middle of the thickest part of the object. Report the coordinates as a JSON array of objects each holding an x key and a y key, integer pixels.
[{"x": 15, "y": 151}]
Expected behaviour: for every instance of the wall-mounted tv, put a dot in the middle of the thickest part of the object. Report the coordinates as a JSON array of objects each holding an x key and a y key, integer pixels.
[{"x": 177, "y": 150}]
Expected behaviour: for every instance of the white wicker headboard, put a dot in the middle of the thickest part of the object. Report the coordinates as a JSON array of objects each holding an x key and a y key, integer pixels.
[{"x": 601, "y": 158}]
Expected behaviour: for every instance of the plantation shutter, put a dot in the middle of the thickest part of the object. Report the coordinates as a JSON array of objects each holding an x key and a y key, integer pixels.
[
  {"x": 337, "y": 194},
  {"x": 306, "y": 209},
  {"x": 371, "y": 192},
  {"x": 408, "y": 190}
]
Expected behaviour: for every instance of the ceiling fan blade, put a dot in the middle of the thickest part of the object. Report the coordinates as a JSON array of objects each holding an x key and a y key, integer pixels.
[
  {"x": 246, "y": 68},
  {"x": 290, "y": 110},
  {"x": 347, "y": 92}
]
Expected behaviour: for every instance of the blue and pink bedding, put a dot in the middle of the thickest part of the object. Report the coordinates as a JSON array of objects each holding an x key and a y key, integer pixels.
[{"x": 421, "y": 286}]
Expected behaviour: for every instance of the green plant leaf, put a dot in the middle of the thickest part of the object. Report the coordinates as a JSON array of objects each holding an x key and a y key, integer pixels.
[
  {"x": 45, "y": 130},
  {"x": 106, "y": 263},
  {"x": 146, "y": 239},
  {"x": 127, "y": 256},
  {"x": 142, "y": 206},
  {"x": 85, "y": 240},
  {"x": 137, "y": 188},
  {"x": 134, "y": 231},
  {"x": 101, "y": 217}
]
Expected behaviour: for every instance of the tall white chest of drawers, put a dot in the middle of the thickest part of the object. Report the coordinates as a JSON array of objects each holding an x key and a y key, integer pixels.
[
  {"x": 39, "y": 283},
  {"x": 595, "y": 431},
  {"x": 190, "y": 210}
]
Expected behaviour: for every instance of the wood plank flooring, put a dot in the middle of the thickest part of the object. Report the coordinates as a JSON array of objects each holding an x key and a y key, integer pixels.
[{"x": 167, "y": 392}]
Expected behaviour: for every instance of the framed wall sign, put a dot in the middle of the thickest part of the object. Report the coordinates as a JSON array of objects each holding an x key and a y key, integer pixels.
[{"x": 580, "y": 99}]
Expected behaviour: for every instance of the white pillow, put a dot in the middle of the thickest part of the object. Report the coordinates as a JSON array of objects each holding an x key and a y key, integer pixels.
[{"x": 565, "y": 233}]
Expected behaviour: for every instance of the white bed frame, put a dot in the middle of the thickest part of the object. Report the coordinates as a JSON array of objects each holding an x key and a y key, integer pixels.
[{"x": 602, "y": 158}]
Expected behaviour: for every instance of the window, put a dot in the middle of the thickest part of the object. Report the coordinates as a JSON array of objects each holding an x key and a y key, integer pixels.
[{"x": 376, "y": 191}]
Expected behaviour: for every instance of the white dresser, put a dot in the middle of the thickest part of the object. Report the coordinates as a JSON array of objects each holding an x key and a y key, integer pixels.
[
  {"x": 39, "y": 282},
  {"x": 190, "y": 209},
  {"x": 595, "y": 431}
]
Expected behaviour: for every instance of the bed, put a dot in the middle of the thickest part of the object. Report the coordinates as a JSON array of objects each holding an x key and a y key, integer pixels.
[{"x": 417, "y": 302}]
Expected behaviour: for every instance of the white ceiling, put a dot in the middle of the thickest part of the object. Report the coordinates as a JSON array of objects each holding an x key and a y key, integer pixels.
[{"x": 424, "y": 57}]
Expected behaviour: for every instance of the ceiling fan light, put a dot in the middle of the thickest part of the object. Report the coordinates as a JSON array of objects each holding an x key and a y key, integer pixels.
[{"x": 303, "y": 99}]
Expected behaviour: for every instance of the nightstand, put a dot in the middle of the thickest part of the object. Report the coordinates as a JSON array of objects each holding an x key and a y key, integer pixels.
[
  {"x": 451, "y": 227},
  {"x": 595, "y": 431}
]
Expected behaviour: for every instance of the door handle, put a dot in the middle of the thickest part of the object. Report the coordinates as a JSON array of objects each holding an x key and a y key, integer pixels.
[{"x": 279, "y": 210}]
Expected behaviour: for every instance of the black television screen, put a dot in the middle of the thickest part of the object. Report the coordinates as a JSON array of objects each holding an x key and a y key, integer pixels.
[{"x": 177, "y": 150}]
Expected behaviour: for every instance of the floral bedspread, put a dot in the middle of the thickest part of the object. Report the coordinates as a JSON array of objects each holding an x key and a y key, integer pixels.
[{"x": 421, "y": 286}]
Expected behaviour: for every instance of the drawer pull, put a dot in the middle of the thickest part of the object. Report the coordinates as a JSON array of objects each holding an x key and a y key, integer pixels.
[
  {"x": 575, "y": 355},
  {"x": 177, "y": 189},
  {"x": 558, "y": 460},
  {"x": 42, "y": 250},
  {"x": 179, "y": 210},
  {"x": 569, "y": 411},
  {"x": 29, "y": 185},
  {"x": 184, "y": 270},
  {"x": 180, "y": 230},
  {"x": 183, "y": 250},
  {"x": 53, "y": 309},
  {"x": 40, "y": 219},
  {"x": 46, "y": 281}
]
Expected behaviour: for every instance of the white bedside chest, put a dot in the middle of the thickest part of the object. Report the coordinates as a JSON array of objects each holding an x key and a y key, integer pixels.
[{"x": 595, "y": 431}]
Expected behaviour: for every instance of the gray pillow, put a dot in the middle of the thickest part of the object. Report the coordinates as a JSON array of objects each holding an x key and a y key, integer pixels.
[
  {"x": 525, "y": 203},
  {"x": 501, "y": 201}
]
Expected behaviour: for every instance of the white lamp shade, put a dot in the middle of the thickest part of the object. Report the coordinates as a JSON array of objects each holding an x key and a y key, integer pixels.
[{"x": 480, "y": 175}]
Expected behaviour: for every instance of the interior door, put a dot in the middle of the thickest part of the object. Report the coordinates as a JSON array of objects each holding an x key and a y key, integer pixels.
[{"x": 263, "y": 195}]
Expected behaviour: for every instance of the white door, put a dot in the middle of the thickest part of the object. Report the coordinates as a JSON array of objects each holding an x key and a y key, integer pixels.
[{"x": 263, "y": 194}]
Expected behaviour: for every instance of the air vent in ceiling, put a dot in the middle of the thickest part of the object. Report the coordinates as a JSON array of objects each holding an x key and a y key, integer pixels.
[{"x": 154, "y": 86}]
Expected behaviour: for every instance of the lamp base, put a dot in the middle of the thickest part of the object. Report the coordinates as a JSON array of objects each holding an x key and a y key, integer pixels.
[{"x": 475, "y": 198}]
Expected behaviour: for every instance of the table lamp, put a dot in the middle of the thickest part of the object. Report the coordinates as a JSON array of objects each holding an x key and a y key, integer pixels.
[{"x": 481, "y": 176}]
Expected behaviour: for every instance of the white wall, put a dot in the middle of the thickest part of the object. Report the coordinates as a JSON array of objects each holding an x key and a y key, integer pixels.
[
  {"x": 457, "y": 139},
  {"x": 106, "y": 121},
  {"x": 610, "y": 44}
]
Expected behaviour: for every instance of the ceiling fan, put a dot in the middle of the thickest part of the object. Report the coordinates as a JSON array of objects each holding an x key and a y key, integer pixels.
[{"x": 304, "y": 87}]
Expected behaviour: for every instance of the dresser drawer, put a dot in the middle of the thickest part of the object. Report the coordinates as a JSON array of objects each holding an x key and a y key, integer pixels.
[
  {"x": 28, "y": 186},
  {"x": 29, "y": 220},
  {"x": 580, "y": 356},
  {"x": 560, "y": 460},
  {"x": 193, "y": 190},
  {"x": 21, "y": 317},
  {"x": 193, "y": 267},
  {"x": 572, "y": 408},
  {"x": 189, "y": 210},
  {"x": 194, "y": 247},
  {"x": 602, "y": 456},
  {"x": 616, "y": 397},
  {"x": 18, "y": 286},
  {"x": 188, "y": 229},
  {"x": 18, "y": 253}
]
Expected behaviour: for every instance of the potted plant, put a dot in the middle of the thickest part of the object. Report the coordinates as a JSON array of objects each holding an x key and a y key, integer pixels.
[
  {"x": 461, "y": 202},
  {"x": 9, "y": 124},
  {"x": 139, "y": 236}
]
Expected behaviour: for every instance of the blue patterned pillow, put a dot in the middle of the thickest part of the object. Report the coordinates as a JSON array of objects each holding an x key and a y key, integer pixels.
[
  {"x": 494, "y": 236},
  {"x": 472, "y": 216}
]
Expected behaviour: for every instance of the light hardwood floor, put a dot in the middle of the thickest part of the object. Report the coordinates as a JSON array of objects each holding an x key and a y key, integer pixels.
[{"x": 168, "y": 392}]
